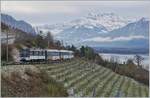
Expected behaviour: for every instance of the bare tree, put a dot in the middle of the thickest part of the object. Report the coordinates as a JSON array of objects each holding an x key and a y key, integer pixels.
[
  {"x": 130, "y": 62},
  {"x": 115, "y": 62},
  {"x": 138, "y": 59},
  {"x": 50, "y": 40}
]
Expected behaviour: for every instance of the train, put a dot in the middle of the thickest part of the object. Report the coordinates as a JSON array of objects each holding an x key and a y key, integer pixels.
[{"x": 27, "y": 55}]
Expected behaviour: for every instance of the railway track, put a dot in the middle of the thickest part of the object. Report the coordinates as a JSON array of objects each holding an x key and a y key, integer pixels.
[{"x": 34, "y": 63}]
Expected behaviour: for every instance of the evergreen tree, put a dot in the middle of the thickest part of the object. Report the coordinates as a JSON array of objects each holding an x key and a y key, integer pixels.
[
  {"x": 82, "y": 51},
  {"x": 40, "y": 42},
  {"x": 73, "y": 48},
  {"x": 58, "y": 45},
  {"x": 68, "y": 47},
  {"x": 89, "y": 53}
]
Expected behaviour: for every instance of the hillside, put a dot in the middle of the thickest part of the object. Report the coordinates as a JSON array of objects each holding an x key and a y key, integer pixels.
[
  {"x": 83, "y": 78},
  {"x": 17, "y": 24},
  {"x": 28, "y": 81},
  {"x": 17, "y": 39},
  {"x": 79, "y": 77},
  {"x": 18, "y": 36}
]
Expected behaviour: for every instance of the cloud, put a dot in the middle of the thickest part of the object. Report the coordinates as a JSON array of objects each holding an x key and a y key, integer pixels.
[
  {"x": 32, "y": 7},
  {"x": 45, "y": 12},
  {"x": 109, "y": 39},
  {"x": 63, "y": 6}
]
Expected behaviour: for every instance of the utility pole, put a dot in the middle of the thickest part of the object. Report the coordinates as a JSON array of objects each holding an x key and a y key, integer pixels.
[
  {"x": 48, "y": 44},
  {"x": 94, "y": 92},
  {"x": 7, "y": 47},
  {"x": 62, "y": 42}
]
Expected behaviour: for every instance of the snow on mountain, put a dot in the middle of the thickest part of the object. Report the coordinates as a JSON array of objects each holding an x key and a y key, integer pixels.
[
  {"x": 19, "y": 24},
  {"x": 140, "y": 27},
  {"x": 134, "y": 34},
  {"x": 108, "y": 20},
  {"x": 106, "y": 29},
  {"x": 77, "y": 33}
]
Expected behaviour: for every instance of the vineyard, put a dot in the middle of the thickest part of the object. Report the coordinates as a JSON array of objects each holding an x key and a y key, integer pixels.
[{"x": 83, "y": 78}]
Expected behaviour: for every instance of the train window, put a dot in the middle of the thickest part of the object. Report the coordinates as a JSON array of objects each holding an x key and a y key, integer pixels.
[
  {"x": 43, "y": 53},
  {"x": 65, "y": 53},
  {"x": 36, "y": 53},
  {"x": 31, "y": 53},
  {"x": 39, "y": 52},
  {"x": 53, "y": 53},
  {"x": 24, "y": 53}
]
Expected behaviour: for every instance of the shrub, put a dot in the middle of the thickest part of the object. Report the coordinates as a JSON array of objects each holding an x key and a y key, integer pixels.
[{"x": 31, "y": 83}]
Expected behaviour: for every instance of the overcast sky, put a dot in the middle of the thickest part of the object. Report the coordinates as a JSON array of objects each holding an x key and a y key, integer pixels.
[{"x": 51, "y": 12}]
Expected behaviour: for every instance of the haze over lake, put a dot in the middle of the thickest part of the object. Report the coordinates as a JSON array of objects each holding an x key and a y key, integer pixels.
[{"x": 121, "y": 58}]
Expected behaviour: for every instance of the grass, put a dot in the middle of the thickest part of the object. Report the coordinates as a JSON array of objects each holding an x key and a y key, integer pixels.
[
  {"x": 83, "y": 77},
  {"x": 26, "y": 82}
]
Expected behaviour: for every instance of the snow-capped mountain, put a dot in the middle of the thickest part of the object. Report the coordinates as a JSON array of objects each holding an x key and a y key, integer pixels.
[
  {"x": 140, "y": 27},
  {"x": 105, "y": 29},
  {"x": 19, "y": 24},
  {"x": 108, "y": 20},
  {"x": 77, "y": 34},
  {"x": 134, "y": 34}
]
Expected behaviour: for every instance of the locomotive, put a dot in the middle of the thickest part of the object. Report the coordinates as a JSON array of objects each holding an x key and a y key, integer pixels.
[{"x": 27, "y": 55}]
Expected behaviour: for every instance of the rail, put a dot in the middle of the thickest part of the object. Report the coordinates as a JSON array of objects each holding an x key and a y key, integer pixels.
[{"x": 32, "y": 63}]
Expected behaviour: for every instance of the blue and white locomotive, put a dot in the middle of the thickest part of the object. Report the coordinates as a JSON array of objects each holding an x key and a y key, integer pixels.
[{"x": 45, "y": 54}]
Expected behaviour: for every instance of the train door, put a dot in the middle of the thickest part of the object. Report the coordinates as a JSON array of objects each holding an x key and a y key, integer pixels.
[{"x": 46, "y": 55}]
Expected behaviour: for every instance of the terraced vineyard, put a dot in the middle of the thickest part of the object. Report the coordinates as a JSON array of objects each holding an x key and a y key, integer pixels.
[{"x": 88, "y": 79}]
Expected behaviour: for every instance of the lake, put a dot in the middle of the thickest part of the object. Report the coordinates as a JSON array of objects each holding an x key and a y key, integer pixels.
[{"x": 121, "y": 58}]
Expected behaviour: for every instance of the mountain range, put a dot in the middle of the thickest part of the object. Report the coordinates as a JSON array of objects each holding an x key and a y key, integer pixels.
[
  {"x": 104, "y": 29},
  {"x": 17, "y": 24},
  {"x": 96, "y": 30}
]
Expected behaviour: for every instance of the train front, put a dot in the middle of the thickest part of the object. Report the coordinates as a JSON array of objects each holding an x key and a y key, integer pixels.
[{"x": 25, "y": 55}]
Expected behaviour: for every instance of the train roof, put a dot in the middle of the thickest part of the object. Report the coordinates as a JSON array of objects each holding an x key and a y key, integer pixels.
[
  {"x": 52, "y": 50},
  {"x": 55, "y": 50},
  {"x": 66, "y": 51},
  {"x": 32, "y": 49}
]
